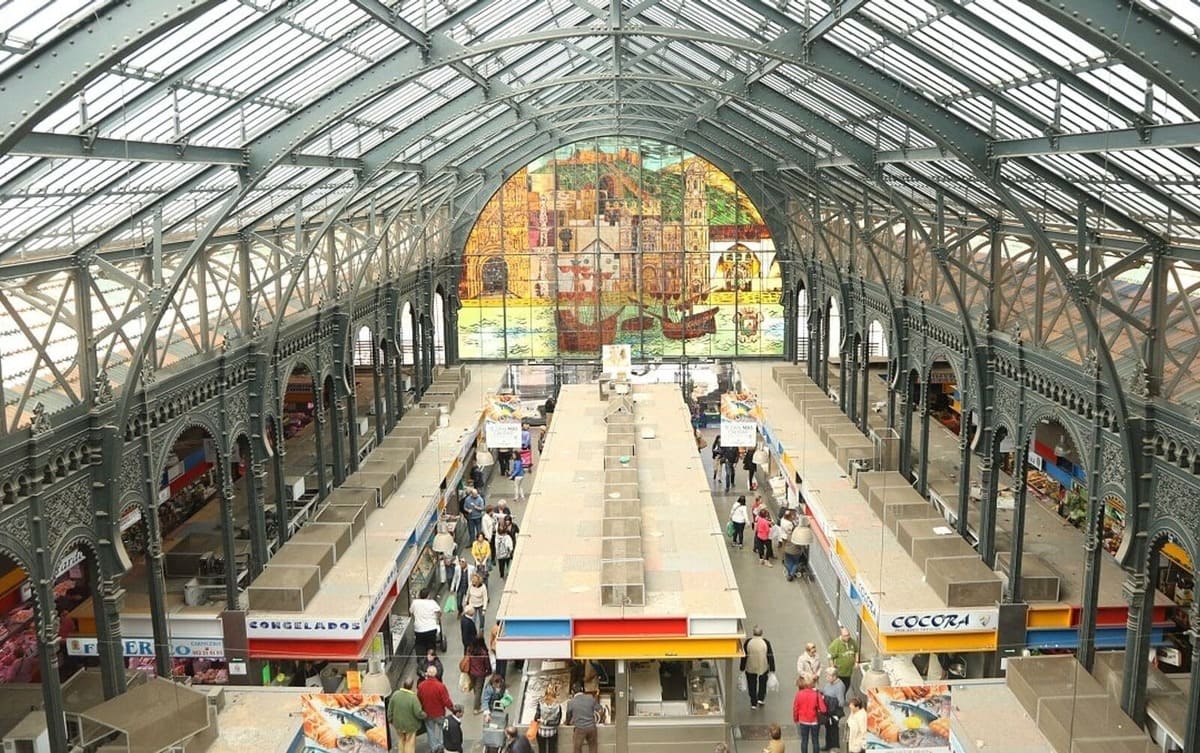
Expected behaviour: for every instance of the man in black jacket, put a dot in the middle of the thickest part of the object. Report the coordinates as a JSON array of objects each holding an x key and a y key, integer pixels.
[{"x": 452, "y": 737}]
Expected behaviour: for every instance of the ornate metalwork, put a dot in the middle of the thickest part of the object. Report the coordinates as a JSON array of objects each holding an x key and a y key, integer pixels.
[
  {"x": 67, "y": 508},
  {"x": 1174, "y": 500},
  {"x": 1139, "y": 381},
  {"x": 39, "y": 423},
  {"x": 1112, "y": 462},
  {"x": 102, "y": 392}
]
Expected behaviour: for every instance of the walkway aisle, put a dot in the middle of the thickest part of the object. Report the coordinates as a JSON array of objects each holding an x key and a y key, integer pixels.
[{"x": 790, "y": 614}]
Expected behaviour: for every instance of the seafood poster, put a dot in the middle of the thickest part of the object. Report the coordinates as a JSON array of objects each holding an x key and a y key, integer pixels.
[
  {"x": 336, "y": 722},
  {"x": 739, "y": 419},
  {"x": 914, "y": 718},
  {"x": 502, "y": 421}
]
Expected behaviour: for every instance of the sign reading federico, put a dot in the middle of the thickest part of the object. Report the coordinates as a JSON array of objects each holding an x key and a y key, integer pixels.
[{"x": 619, "y": 241}]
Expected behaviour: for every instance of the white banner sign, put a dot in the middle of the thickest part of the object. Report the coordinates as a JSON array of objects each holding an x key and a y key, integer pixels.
[
  {"x": 739, "y": 419},
  {"x": 181, "y": 648},
  {"x": 502, "y": 421},
  {"x": 942, "y": 621}
]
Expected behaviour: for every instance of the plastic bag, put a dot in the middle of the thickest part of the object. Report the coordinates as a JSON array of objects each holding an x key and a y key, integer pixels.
[
  {"x": 506, "y": 700},
  {"x": 729, "y": 529},
  {"x": 464, "y": 682},
  {"x": 772, "y": 683},
  {"x": 451, "y": 605},
  {"x": 742, "y": 681}
]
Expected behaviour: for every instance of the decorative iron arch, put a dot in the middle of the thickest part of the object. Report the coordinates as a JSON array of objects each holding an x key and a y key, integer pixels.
[
  {"x": 1040, "y": 411},
  {"x": 192, "y": 420},
  {"x": 303, "y": 358}
]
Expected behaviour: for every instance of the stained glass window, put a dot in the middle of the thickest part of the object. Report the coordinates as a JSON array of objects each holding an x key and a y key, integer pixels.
[{"x": 620, "y": 241}]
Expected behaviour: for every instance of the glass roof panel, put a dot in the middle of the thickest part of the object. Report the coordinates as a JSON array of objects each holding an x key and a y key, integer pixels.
[{"x": 1037, "y": 32}]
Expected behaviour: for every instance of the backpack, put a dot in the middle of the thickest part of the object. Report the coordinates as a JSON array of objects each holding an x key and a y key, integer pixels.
[{"x": 504, "y": 546}]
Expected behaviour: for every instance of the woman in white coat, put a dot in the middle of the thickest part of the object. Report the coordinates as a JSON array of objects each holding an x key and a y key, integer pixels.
[{"x": 738, "y": 516}]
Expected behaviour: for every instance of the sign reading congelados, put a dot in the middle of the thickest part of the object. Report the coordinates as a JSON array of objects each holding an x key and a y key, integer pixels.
[
  {"x": 945, "y": 621},
  {"x": 333, "y": 629}
]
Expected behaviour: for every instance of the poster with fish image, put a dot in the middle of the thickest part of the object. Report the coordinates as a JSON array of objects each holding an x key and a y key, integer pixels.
[
  {"x": 740, "y": 415},
  {"x": 913, "y": 718},
  {"x": 502, "y": 421},
  {"x": 338, "y": 722}
]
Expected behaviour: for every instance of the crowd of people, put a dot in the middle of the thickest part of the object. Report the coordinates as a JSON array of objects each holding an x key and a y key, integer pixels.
[{"x": 823, "y": 700}]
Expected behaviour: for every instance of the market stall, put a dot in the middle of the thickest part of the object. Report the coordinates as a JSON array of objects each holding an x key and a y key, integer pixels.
[
  {"x": 351, "y": 613},
  {"x": 660, "y": 621}
]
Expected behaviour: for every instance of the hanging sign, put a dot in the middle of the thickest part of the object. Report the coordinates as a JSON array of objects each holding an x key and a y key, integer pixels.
[
  {"x": 740, "y": 416},
  {"x": 181, "y": 648},
  {"x": 939, "y": 621},
  {"x": 502, "y": 421}
]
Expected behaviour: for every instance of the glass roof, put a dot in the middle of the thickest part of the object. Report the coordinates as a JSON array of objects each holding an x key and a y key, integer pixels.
[{"x": 249, "y": 109}]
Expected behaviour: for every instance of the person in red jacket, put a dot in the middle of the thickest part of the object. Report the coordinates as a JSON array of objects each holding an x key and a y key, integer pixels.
[
  {"x": 807, "y": 707},
  {"x": 435, "y": 702}
]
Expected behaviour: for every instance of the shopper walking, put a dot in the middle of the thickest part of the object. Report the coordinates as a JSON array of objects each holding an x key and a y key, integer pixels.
[
  {"x": 467, "y": 627},
  {"x": 796, "y": 538},
  {"x": 481, "y": 551},
  {"x": 492, "y": 693},
  {"x": 452, "y": 734},
  {"x": 474, "y": 506},
  {"x": 477, "y": 597},
  {"x": 430, "y": 659},
  {"x": 758, "y": 662},
  {"x": 737, "y": 516},
  {"x": 718, "y": 457},
  {"x": 856, "y": 726},
  {"x": 517, "y": 474},
  {"x": 479, "y": 668},
  {"x": 834, "y": 691},
  {"x": 843, "y": 653},
  {"x": 751, "y": 469},
  {"x": 505, "y": 542},
  {"x": 762, "y": 538},
  {"x": 435, "y": 702},
  {"x": 499, "y": 665},
  {"x": 807, "y": 707},
  {"x": 581, "y": 715},
  {"x": 729, "y": 457},
  {"x": 427, "y": 621},
  {"x": 515, "y": 742},
  {"x": 808, "y": 665},
  {"x": 406, "y": 715},
  {"x": 488, "y": 528},
  {"x": 549, "y": 715}
]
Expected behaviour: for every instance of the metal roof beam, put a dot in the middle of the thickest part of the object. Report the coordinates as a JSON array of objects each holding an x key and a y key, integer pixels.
[
  {"x": 1131, "y": 33},
  {"x": 1172, "y": 136},
  {"x": 841, "y": 10},
  {"x": 49, "y": 76},
  {"x": 395, "y": 20},
  {"x": 55, "y": 145}
]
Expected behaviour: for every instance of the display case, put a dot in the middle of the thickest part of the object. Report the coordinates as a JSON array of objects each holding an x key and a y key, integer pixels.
[
  {"x": 675, "y": 689},
  {"x": 704, "y": 693},
  {"x": 424, "y": 572}
]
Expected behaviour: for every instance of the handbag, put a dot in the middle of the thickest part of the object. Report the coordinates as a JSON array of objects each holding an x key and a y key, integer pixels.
[
  {"x": 531, "y": 733},
  {"x": 464, "y": 664}
]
